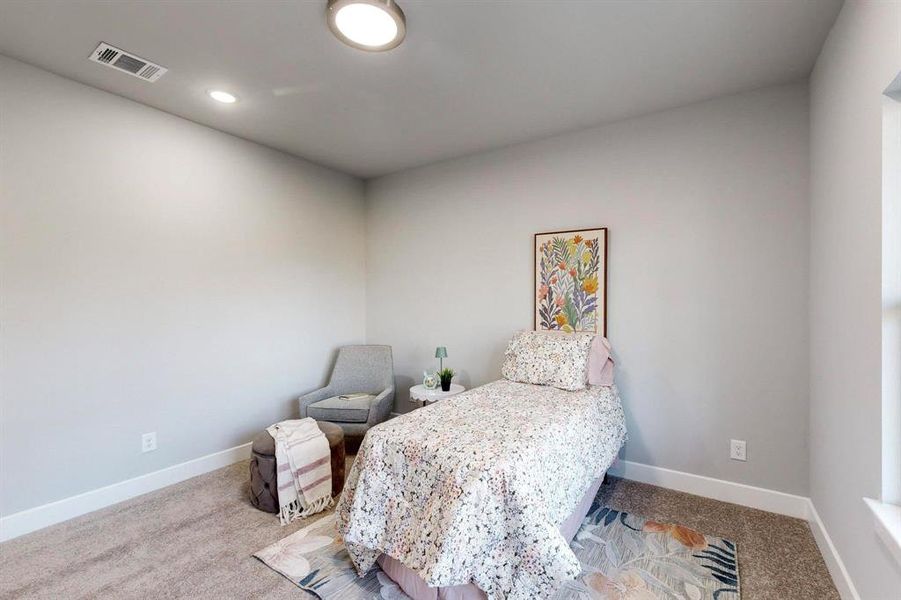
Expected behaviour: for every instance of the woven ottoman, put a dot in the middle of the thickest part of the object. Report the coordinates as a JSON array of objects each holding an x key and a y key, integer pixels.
[{"x": 263, "y": 488}]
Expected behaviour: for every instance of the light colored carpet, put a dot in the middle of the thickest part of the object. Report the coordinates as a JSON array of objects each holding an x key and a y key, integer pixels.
[{"x": 195, "y": 540}]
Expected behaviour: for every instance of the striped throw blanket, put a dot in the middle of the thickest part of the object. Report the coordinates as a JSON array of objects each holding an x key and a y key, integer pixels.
[{"x": 304, "y": 469}]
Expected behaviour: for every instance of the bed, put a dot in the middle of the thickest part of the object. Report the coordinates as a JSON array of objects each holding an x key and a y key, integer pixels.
[{"x": 479, "y": 495}]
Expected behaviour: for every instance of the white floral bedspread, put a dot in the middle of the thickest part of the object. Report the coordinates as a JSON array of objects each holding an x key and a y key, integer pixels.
[{"x": 474, "y": 487}]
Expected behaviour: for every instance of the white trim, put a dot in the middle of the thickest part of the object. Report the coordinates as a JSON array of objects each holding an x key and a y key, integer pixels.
[
  {"x": 26, "y": 521},
  {"x": 840, "y": 575},
  {"x": 887, "y": 519},
  {"x": 718, "y": 489}
]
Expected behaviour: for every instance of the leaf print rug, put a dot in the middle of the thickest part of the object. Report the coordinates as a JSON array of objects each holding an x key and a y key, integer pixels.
[
  {"x": 626, "y": 557},
  {"x": 623, "y": 556},
  {"x": 315, "y": 560}
]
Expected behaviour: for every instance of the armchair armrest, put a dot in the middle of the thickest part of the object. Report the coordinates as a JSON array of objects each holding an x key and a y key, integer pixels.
[
  {"x": 311, "y": 398},
  {"x": 380, "y": 407}
]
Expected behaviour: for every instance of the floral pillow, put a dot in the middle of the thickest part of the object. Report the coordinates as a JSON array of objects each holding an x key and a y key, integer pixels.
[{"x": 546, "y": 358}]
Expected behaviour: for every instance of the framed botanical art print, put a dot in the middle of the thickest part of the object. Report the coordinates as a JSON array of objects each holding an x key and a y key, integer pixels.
[{"x": 571, "y": 280}]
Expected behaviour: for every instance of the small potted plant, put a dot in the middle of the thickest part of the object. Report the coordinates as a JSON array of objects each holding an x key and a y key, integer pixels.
[{"x": 446, "y": 375}]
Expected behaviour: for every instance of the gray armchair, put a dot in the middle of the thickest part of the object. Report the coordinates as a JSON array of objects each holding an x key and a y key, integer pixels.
[{"x": 358, "y": 369}]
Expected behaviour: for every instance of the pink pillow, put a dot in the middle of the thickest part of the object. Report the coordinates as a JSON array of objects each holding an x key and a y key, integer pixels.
[{"x": 600, "y": 363}]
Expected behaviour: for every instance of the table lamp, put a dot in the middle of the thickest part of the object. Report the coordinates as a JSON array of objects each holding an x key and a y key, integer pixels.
[{"x": 441, "y": 354}]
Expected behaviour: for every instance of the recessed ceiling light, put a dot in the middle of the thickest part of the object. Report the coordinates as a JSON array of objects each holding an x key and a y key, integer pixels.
[
  {"x": 374, "y": 25},
  {"x": 223, "y": 97}
]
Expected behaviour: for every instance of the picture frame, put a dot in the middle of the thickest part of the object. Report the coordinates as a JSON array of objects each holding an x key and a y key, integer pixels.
[{"x": 570, "y": 280}]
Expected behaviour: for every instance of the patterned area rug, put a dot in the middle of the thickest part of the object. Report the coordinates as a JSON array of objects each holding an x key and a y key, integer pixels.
[
  {"x": 623, "y": 557},
  {"x": 315, "y": 560},
  {"x": 627, "y": 557}
]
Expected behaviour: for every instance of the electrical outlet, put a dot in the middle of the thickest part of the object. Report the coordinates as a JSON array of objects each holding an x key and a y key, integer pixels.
[
  {"x": 738, "y": 450},
  {"x": 148, "y": 442}
]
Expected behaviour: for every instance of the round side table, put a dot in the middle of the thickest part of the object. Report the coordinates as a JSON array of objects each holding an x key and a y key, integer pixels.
[{"x": 422, "y": 396}]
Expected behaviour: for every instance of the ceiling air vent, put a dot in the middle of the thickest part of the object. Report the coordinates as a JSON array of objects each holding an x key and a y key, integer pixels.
[{"x": 128, "y": 63}]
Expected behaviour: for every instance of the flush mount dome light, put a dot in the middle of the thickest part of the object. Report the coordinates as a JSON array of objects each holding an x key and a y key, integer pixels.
[
  {"x": 374, "y": 25},
  {"x": 223, "y": 97}
]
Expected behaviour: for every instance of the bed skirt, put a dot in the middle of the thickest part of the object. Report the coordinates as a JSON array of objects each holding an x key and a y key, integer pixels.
[{"x": 414, "y": 586}]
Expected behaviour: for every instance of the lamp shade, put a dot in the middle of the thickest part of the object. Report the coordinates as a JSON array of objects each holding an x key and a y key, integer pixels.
[{"x": 440, "y": 352}]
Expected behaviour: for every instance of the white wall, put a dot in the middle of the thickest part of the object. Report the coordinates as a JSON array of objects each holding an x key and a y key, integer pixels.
[
  {"x": 708, "y": 215},
  {"x": 860, "y": 58},
  {"x": 891, "y": 294},
  {"x": 156, "y": 275}
]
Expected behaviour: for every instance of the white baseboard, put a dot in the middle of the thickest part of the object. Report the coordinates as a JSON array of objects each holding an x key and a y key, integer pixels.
[
  {"x": 718, "y": 489},
  {"x": 26, "y": 521},
  {"x": 840, "y": 575}
]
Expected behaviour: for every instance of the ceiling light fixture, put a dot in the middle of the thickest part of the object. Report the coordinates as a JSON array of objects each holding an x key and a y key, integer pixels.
[
  {"x": 373, "y": 25},
  {"x": 223, "y": 97}
]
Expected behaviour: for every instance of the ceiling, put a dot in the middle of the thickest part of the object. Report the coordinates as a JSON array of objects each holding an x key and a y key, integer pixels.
[{"x": 471, "y": 75}]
